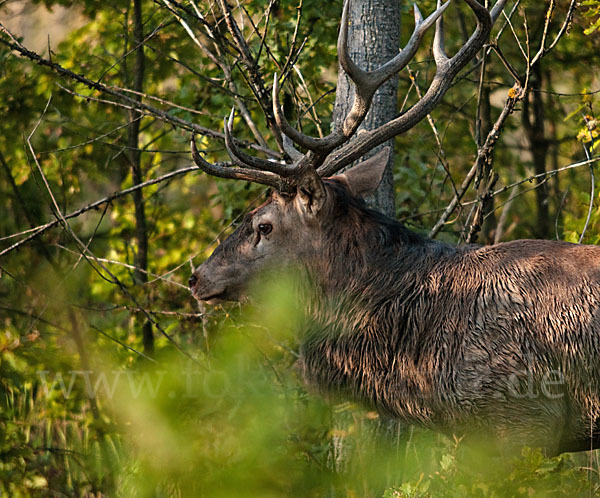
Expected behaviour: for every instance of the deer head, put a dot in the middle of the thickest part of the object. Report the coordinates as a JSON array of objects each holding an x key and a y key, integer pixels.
[{"x": 306, "y": 194}]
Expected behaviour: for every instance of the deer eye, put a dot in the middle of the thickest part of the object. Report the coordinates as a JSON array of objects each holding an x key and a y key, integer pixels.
[{"x": 265, "y": 228}]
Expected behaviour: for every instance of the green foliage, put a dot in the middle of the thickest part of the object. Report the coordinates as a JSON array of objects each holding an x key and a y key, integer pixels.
[
  {"x": 529, "y": 475},
  {"x": 591, "y": 12}
]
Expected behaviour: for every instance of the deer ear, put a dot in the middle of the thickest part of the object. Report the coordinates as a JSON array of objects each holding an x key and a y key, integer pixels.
[
  {"x": 311, "y": 194},
  {"x": 364, "y": 178}
]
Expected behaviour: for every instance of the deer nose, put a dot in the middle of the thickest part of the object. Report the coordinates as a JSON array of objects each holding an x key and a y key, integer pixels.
[{"x": 192, "y": 281}]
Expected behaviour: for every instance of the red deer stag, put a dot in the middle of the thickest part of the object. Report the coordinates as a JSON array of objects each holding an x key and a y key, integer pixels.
[{"x": 503, "y": 340}]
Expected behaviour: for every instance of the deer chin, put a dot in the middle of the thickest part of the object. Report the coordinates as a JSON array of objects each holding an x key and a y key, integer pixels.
[
  {"x": 213, "y": 298},
  {"x": 219, "y": 297}
]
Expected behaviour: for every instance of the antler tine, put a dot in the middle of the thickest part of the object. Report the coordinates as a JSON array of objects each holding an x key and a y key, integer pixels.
[
  {"x": 364, "y": 80},
  {"x": 245, "y": 160},
  {"x": 447, "y": 69},
  {"x": 439, "y": 50},
  {"x": 324, "y": 145},
  {"x": 395, "y": 65},
  {"x": 249, "y": 175},
  {"x": 355, "y": 73},
  {"x": 477, "y": 39},
  {"x": 495, "y": 12},
  {"x": 288, "y": 146},
  {"x": 366, "y": 83}
]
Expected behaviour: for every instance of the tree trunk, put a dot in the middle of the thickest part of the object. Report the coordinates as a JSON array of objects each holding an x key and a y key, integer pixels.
[
  {"x": 533, "y": 116},
  {"x": 373, "y": 39},
  {"x": 134, "y": 156}
]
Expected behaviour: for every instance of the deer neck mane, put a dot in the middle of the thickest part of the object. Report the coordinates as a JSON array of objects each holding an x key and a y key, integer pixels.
[{"x": 365, "y": 251}]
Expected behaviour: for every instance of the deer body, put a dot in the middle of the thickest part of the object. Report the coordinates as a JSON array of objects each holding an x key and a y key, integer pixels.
[
  {"x": 504, "y": 337},
  {"x": 503, "y": 340}
]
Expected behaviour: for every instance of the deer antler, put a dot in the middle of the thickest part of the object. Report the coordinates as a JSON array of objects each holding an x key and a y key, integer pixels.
[
  {"x": 366, "y": 84},
  {"x": 320, "y": 157},
  {"x": 252, "y": 169},
  {"x": 447, "y": 69},
  {"x": 224, "y": 171}
]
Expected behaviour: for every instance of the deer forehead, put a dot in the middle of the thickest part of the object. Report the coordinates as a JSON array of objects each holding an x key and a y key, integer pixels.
[{"x": 279, "y": 210}]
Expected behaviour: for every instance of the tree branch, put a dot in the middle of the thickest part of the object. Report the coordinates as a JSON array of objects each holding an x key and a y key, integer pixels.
[{"x": 15, "y": 45}]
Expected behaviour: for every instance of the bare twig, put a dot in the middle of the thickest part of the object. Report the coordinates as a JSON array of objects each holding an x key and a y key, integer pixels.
[
  {"x": 263, "y": 37},
  {"x": 483, "y": 154},
  {"x": 546, "y": 174},
  {"x": 220, "y": 61},
  {"x": 523, "y": 82},
  {"x": 130, "y": 267},
  {"x": 122, "y": 344},
  {"x": 592, "y": 182},
  {"x": 311, "y": 107},
  {"x": 563, "y": 29},
  {"x": 89, "y": 256},
  {"x": 504, "y": 216},
  {"x": 509, "y": 22},
  {"x": 291, "y": 57},
  {"x": 255, "y": 77},
  {"x": 35, "y": 232},
  {"x": 15, "y": 45},
  {"x": 441, "y": 154}
]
